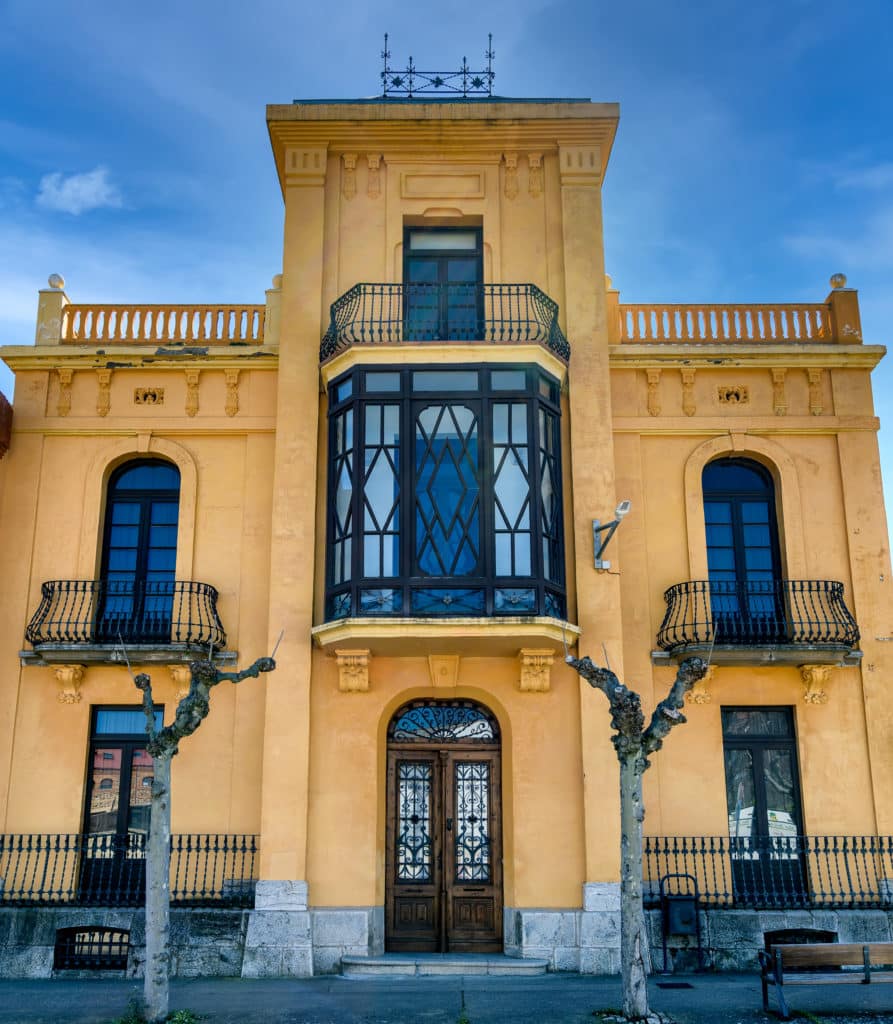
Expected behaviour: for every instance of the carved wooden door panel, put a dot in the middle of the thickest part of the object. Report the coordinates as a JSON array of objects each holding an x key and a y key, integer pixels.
[{"x": 444, "y": 856}]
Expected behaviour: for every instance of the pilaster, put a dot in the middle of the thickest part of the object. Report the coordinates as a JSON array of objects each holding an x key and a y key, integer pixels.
[
  {"x": 593, "y": 490},
  {"x": 284, "y": 792}
]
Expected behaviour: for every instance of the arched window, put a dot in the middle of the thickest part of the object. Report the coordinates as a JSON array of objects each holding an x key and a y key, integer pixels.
[
  {"x": 140, "y": 552},
  {"x": 743, "y": 558}
]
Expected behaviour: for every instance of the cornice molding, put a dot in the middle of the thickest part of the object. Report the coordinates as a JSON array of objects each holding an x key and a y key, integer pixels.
[
  {"x": 138, "y": 357},
  {"x": 721, "y": 356}
]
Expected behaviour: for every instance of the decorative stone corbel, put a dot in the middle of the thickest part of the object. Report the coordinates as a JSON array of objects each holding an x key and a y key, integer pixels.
[
  {"x": 69, "y": 678},
  {"x": 373, "y": 183},
  {"x": 536, "y": 670},
  {"x": 181, "y": 678},
  {"x": 653, "y": 378},
  {"x": 689, "y": 407},
  {"x": 353, "y": 671},
  {"x": 232, "y": 392},
  {"x": 104, "y": 398},
  {"x": 699, "y": 693},
  {"x": 535, "y": 178},
  {"x": 349, "y": 175},
  {"x": 63, "y": 404},
  {"x": 816, "y": 402},
  {"x": 779, "y": 396},
  {"x": 815, "y": 678},
  {"x": 192, "y": 392},
  {"x": 511, "y": 175},
  {"x": 444, "y": 670}
]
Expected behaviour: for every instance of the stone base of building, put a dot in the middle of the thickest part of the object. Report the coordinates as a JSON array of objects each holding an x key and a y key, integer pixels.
[
  {"x": 276, "y": 941},
  {"x": 731, "y": 939},
  {"x": 204, "y": 943}
]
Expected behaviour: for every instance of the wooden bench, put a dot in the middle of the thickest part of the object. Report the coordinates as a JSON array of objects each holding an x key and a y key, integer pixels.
[{"x": 824, "y": 963}]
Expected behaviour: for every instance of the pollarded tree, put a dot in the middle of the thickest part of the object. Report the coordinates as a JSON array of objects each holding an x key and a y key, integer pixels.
[
  {"x": 634, "y": 743},
  {"x": 163, "y": 744}
]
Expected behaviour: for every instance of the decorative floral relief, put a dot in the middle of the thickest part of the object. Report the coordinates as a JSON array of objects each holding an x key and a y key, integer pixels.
[
  {"x": 104, "y": 398},
  {"x": 736, "y": 394},
  {"x": 779, "y": 396},
  {"x": 373, "y": 184},
  {"x": 653, "y": 378},
  {"x": 349, "y": 176},
  {"x": 535, "y": 178},
  {"x": 353, "y": 671},
  {"x": 689, "y": 407},
  {"x": 63, "y": 404},
  {"x": 816, "y": 401},
  {"x": 148, "y": 396},
  {"x": 192, "y": 392},
  {"x": 511, "y": 175},
  {"x": 232, "y": 392}
]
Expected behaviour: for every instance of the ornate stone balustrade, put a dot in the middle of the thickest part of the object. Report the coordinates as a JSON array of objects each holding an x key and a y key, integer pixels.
[
  {"x": 780, "y": 322},
  {"x": 162, "y": 324}
]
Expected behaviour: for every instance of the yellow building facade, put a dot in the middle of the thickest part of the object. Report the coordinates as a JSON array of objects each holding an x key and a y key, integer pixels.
[{"x": 405, "y": 462}]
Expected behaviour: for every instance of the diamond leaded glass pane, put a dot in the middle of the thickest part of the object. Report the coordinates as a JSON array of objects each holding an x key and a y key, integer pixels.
[
  {"x": 472, "y": 849},
  {"x": 511, "y": 490},
  {"x": 414, "y": 821},
  {"x": 447, "y": 491},
  {"x": 381, "y": 491}
]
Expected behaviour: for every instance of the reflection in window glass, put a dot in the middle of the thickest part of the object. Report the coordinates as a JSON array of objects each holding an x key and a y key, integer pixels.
[
  {"x": 756, "y": 722},
  {"x": 431, "y": 240},
  {"x": 123, "y": 722},
  {"x": 508, "y": 380},
  {"x": 382, "y": 381},
  {"x": 445, "y": 380}
]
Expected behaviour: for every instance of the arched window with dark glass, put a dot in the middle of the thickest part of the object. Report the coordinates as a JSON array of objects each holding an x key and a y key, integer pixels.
[
  {"x": 139, "y": 555},
  {"x": 445, "y": 493},
  {"x": 743, "y": 557}
]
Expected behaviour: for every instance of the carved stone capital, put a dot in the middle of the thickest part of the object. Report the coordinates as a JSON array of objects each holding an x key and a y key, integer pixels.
[
  {"x": 511, "y": 175},
  {"x": 192, "y": 392},
  {"x": 181, "y": 678},
  {"x": 373, "y": 182},
  {"x": 349, "y": 175},
  {"x": 779, "y": 396},
  {"x": 653, "y": 379},
  {"x": 69, "y": 678},
  {"x": 353, "y": 671},
  {"x": 816, "y": 401},
  {"x": 689, "y": 407},
  {"x": 104, "y": 397},
  {"x": 535, "y": 175},
  {"x": 232, "y": 392},
  {"x": 63, "y": 405},
  {"x": 444, "y": 670},
  {"x": 699, "y": 693},
  {"x": 536, "y": 669},
  {"x": 815, "y": 678}
]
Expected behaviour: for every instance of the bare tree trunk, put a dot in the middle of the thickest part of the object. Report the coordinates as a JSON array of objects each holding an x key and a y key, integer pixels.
[
  {"x": 633, "y": 938},
  {"x": 158, "y": 857},
  {"x": 633, "y": 743}
]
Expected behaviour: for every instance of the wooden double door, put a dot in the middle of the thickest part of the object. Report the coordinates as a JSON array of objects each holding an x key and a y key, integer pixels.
[{"x": 444, "y": 850}]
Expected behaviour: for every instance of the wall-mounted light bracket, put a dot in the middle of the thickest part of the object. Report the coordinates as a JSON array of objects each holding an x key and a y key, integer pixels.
[{"x": 599, "y": 543}]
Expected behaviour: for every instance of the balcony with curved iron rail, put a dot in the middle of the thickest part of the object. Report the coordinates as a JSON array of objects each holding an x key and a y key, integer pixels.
[
  {"x": 100, "y": 620},
  {"x": 749, "y": 622},
  {"x": 387, "y": 314}
]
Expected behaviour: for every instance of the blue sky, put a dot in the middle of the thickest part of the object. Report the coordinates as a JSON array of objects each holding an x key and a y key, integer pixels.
[{"x": 754, "y": 157}]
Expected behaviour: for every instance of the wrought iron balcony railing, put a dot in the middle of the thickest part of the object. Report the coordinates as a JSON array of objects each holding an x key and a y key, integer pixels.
[
  {"x": 109, "y": 870},
  {"x": 781, "y": 871},
  {"x": 757, "y": 614},
  {"x": 106, "y": 612},
  {"x": 380, "y": 314}
]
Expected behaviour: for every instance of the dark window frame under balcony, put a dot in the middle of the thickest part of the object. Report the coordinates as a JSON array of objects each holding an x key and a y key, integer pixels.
[{"x": 411, "y": 592}]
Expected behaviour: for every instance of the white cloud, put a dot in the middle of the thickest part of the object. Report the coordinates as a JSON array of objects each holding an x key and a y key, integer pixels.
[
  {"x": 880, "y": 176},
  {"x": 78, "y": 192}
]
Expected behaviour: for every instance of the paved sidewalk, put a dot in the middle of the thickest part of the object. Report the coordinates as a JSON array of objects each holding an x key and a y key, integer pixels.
[{"x": 552, "y": 999}]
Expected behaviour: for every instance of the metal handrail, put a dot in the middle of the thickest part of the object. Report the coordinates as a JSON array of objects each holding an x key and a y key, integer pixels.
[
  {"x": 372, "y": 314},
  {"x": 780, "y": 871},
  {"x": 757, "y": 613},
  {"x": 108, "y": 869},
  {"x": 101, "y": 611}
]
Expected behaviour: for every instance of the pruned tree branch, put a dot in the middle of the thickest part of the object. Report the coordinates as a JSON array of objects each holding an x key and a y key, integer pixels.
[
  {"x": 194, "y": 707},
  {"x": 627, "y": 719},
  {"x": 669, "y": 712}
]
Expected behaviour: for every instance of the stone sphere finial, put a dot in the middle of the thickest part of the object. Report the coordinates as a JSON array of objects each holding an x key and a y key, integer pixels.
[
  {"x": 56, "y": 281},
  {"x": 609, "y": 284},
  {"x": 838, "y": 280},
  {"x": 277, "y": 280}
]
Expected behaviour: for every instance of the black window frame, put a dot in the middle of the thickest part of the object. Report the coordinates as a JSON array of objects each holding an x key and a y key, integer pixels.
[
  {"x": 441, "y": 257},
  {"x": 541, "y": 391}
]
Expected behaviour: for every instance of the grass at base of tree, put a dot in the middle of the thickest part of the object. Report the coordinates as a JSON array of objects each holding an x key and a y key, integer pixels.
[{"x": 134, "y": 1015}]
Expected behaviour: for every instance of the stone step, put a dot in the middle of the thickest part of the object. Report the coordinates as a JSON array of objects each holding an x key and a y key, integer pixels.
[{"x": 391, "y": 965}]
